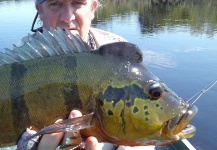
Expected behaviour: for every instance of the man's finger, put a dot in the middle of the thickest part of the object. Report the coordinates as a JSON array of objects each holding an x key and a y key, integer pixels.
[
  {"x": 91, "y": 143},
  {"x": 50, "y": 141},
  {"x": 73, "y": 114}
]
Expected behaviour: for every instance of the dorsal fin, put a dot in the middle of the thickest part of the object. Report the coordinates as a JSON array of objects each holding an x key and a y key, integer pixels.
[
  {"x": 123, "y": 50},
  {"x": 50, "y": 43}
]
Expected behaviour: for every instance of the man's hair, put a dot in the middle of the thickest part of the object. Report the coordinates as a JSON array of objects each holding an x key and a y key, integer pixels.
[{"x": 40, "y": 1}]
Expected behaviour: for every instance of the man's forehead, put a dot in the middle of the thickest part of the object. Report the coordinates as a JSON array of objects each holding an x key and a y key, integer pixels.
[{"x": 41, "y": 1}]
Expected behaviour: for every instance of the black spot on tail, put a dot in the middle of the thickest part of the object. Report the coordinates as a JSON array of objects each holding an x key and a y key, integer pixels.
[
  {"x": 127, "y": 94},
  {"x": 20, "y": 111}
]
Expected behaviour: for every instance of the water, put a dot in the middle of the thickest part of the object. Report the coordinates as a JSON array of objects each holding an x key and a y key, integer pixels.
[{"x": 178, "y": 42}]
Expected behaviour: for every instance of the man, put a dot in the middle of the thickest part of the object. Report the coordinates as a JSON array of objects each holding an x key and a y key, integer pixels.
[{"x": 75, "y": 15}]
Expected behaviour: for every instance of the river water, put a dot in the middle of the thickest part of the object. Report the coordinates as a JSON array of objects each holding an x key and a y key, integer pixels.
[{"x": 179, "y": 43}]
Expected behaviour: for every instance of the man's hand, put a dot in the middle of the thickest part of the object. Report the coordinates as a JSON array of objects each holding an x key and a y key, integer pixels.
[{"x": 51, "y": 141}]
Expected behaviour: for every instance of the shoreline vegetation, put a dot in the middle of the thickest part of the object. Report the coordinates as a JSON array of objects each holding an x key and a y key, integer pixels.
[{"x": 197, "y": 15}]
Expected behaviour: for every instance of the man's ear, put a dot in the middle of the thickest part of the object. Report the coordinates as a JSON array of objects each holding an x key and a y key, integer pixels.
[
  {"x": 39, "y": 9},
  {"x": 37, "y": 6},
  {"x": 95, "y": 5}
]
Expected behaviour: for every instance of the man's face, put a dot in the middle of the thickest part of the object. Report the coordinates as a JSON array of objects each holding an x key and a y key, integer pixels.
[{"x": 75, "y": 15}]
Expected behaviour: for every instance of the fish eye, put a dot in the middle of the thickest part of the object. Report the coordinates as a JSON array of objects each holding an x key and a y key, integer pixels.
[{"x": 155, "y": 90}]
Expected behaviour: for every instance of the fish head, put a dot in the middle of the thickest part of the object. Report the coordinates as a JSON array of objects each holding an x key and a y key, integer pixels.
[{"x": 137, "y": 108}]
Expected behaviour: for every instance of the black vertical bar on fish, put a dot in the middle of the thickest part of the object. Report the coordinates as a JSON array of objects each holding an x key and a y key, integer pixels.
[
  {"x": 71, "y": 93},
  {"x": 20, "y": 111}
]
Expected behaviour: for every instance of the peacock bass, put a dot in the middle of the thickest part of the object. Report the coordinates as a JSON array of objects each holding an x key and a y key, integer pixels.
[{"x": 122, "y": 101}]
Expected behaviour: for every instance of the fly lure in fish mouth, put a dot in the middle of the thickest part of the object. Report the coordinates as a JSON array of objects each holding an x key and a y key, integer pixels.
[
  {"x": 177, "y": 124},
  {"x": 201, "y": 92}
]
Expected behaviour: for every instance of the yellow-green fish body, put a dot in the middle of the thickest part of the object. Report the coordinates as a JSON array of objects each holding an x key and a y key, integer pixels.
[{"x": 47, "y": 80}]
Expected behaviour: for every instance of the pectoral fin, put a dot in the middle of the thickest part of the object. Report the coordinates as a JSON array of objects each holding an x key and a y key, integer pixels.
[{"x": 68, "y": 125}]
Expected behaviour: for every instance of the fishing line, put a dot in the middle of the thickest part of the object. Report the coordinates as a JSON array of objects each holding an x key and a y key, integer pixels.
[{"x": 203, "y": 91}]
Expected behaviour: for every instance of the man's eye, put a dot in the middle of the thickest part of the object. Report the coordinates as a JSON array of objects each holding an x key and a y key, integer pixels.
[
  {"x": 77, "y": 3},
  {"x": 54, "y": 4}
]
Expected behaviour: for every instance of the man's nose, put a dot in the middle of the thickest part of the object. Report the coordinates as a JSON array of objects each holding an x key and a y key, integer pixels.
[{"x": 67, "y": 14}]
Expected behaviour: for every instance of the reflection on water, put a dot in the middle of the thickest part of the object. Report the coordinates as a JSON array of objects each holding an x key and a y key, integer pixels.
[
  {"x": 158, "y": 59},
  {"x": 198, "y": 16},
  {"x": 16, "y": 18},
  {"x": 178, "y": 43}
]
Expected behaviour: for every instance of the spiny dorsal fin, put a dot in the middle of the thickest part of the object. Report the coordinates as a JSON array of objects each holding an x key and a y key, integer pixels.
[
  {"x": 123, "y": 50},
  {"x": 50, "y": 43}
]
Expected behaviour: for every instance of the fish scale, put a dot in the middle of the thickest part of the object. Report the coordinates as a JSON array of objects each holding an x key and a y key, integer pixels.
[{"x": 122, "y": 101}]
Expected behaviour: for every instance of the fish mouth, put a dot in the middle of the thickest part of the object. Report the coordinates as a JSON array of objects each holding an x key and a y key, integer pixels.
[{"x": 179, "y": 127}]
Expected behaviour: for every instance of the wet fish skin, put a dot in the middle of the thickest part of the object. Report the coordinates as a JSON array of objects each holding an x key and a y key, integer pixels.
[{"x": 132, "y": 105}]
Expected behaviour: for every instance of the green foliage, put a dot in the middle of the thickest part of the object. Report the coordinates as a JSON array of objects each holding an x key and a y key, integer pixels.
[{"x": 198, "y": 15}]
